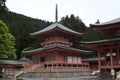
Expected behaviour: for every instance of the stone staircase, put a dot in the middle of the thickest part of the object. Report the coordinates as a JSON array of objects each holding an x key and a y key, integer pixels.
[{"x": 26, "y": 70}]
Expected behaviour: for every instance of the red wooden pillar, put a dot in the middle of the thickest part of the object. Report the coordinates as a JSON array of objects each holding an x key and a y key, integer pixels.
[
  {"x": 99, "y": 62},
  {"x": 111, "y": 57},
  {"x": 13, "y": 68},
  {"x": 58, "y": 58},
  {"x": 118, "y": 53},
  {"x": 105, "y": 63},
  {"x": 34, "y": 58}
]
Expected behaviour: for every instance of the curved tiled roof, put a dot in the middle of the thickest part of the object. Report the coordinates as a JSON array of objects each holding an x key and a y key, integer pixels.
[
  {"x": 92, "y": 59},
  {"x": 55, "y": 25},
  {"x": 117, "y": 20},
  {"x": 55, "y": 46},
  {"x": 24, "y": 59},
  {"x": 101, "y": 41},
  {"x": 13, "y": 62}
]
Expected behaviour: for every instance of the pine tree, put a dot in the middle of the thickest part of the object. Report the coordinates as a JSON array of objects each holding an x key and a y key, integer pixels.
[
  {"x": 7, "y": 42},
  {"x": 74, "y": 22}
]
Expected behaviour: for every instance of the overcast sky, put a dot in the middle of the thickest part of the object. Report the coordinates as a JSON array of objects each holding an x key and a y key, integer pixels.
[{"x": 88, "y": 10}]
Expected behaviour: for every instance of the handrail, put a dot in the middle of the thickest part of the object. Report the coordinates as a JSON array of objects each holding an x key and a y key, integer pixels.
[{"x": 61, "y": 62}]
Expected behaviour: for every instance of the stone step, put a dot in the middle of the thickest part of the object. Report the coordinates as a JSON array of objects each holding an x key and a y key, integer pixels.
[{"x": 74, "y": 78}]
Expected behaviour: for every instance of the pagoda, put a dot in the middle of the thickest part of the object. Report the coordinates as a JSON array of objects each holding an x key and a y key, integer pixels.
[{"x": 57, "y": 57}]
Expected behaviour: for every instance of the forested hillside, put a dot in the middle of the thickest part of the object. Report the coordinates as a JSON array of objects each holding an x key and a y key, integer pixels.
[{"x": 20, "y": 26}]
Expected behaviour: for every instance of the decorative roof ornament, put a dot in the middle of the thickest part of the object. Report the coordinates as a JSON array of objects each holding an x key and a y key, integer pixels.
[
  {"x": 114, "y": 21},
  {"x": 98, "y": 21},
  {"x": 56, "y": 14}
]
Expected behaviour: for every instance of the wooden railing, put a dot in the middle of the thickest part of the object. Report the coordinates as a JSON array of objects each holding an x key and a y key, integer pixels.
[
  {"x": 26, "y": 66},
  {"x": 24, "y": 69},
  {"x": 61, "y": 62},
  {"x": 79, "y": 67},
  {"x": 57, "y": 42},
  {"x": 109, "y": 66},
  {"x": 95, "y": 67}
]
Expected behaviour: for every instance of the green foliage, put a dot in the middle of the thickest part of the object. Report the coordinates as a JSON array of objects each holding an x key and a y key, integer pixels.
[
  {"x": 3, "y": 56},
  {"x": 7, "y": 42},
  {"x": 74, "y": 22},
  {"x": 3, "y": 29},
  {"x": 92, "y": 35},
  {"x": 28, "y": 48}
]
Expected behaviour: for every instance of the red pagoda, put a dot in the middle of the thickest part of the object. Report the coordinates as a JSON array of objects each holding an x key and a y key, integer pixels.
[{"x": 56, "y": 53}]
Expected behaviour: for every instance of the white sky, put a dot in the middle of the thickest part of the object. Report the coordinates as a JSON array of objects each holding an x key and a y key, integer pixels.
[{"x": 88, "y": 10}]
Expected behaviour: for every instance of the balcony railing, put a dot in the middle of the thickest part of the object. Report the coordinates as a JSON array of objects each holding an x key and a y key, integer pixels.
[
  {"x": 109, "y": 66},
  {"x": 60, "y": 66},
  {"x": 95, "y": 67},
  {"x": 66, "y": 63}
]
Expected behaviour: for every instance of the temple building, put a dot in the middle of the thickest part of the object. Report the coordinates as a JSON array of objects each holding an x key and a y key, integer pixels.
[
  {"x": 10, "y": 68},
  {"x": 108, "y": 49}
]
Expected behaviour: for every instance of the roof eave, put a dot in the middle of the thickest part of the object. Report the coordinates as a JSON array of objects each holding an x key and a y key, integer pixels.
[
  {"x": 53, "y": 47},
  {"x": 100, "y": 41},
  {"x": 53, "y": 26}
]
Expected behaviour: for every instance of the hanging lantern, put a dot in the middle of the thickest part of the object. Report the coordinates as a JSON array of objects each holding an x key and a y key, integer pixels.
[{"x": 113, "y": 54}]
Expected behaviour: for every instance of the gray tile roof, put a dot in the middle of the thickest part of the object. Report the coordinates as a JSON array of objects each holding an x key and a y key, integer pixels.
[
  {"x": 55, "y": 46},
  {"x": 12, "y": 62},
  {"x": 92, "y": 59},
  {"x": 24, "y": 59},
  {"x": 55, "y": 25},
  {"x": 117, "y": 20},
  {"x": 101, "y": 41}
]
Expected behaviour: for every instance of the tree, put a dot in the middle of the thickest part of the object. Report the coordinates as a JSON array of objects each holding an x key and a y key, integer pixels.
[
  {"x": 3, "y": 7},
  {"x": 7, "y": 42},
  {"x": 74, "y": 22}
]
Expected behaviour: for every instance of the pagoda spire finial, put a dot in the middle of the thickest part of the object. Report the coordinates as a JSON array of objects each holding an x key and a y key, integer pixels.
[{"x": 56, "y": 14}]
